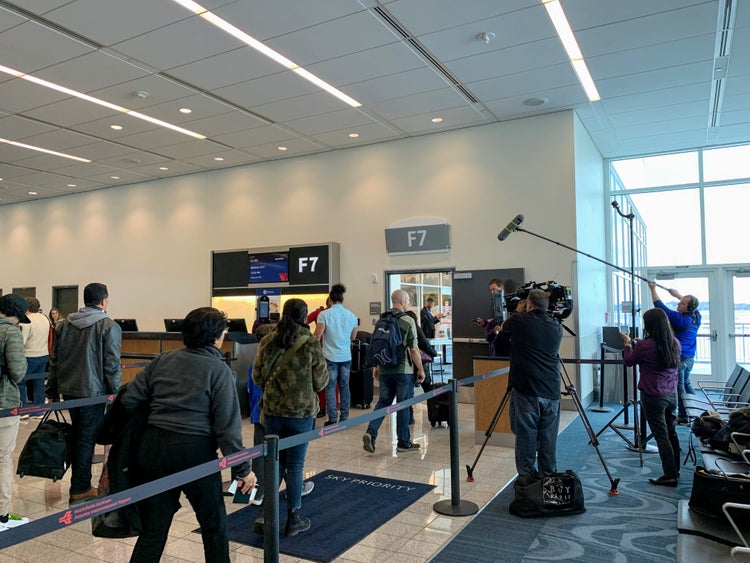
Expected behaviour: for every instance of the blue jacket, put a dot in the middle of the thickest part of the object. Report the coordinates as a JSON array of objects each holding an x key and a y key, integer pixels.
[{"x": 685, "y": 327}]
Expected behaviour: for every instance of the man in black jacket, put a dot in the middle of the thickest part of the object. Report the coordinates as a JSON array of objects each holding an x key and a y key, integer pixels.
[
  {"x": 535, "y": 383},
  {"x": 428, "y": 319},
  {"x": 85, "y": 362}
]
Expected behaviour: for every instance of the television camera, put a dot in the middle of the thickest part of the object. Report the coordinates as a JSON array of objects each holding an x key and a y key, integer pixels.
[{"x": 560, "y": 298}]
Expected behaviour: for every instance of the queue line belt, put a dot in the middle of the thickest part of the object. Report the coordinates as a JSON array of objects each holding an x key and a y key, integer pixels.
[{"x": 106, "y": 504}]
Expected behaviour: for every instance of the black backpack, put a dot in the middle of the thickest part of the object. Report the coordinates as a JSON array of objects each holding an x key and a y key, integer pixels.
[{"x": 387, "y": 346}]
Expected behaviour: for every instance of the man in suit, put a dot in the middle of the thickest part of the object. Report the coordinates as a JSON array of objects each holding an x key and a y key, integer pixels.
[{"x": 428, "y": 319}]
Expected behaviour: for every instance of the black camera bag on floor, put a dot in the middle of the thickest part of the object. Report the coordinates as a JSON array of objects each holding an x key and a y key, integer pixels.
[
  {"x": 47, "y": 451},
  {"x": 560, "y": 494}
]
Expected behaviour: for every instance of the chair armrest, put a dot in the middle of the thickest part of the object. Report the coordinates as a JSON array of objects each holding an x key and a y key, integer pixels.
[
  {"x": 735, "y": 506},
  {"x": 740, "y": 554}
]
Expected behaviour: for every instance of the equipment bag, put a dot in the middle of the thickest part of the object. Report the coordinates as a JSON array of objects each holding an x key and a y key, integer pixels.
[
  {"x": 47, "y": 451},
  {"x": 712, "y": 488},
  {"x": 560, "y": 494},
  {"x": 387, "y": 346}
]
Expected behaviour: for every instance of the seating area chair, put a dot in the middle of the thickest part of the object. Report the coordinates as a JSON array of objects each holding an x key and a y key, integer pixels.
[{"x": 722, "y": 398}]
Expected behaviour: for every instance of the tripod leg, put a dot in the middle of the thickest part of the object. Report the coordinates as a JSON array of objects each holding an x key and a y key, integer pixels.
[{"x": 488, "y": 433}]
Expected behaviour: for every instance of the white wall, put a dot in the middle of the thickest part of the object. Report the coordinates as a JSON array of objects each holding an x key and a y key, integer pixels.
[
  {"x": 591, "y": 280},
  {"x": 151, "y": 243}
]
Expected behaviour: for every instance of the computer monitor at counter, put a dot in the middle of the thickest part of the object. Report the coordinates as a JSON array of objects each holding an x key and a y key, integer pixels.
[
  {"x": 173, "y": 325},
  {"x": 237, "y": 325},
  {"x": 127, "y": 325}
]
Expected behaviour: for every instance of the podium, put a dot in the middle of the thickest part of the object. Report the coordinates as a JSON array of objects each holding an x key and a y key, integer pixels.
[{"x": 488, "y": 394}]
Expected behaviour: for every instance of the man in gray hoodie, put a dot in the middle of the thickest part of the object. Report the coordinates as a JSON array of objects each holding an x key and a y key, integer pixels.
[{"x": 85, "y": 362}]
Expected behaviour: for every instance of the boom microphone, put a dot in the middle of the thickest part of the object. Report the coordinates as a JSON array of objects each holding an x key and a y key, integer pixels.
[{"x": 510, "y": 227}]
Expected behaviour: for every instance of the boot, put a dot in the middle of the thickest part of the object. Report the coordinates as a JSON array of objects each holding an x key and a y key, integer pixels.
[{"x": 296, "y": 524}]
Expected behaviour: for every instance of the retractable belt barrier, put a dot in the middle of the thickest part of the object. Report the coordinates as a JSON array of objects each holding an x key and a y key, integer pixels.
[{"x": 102, "y": 505}]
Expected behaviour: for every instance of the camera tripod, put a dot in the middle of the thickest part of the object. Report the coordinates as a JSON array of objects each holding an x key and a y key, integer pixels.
[{"x": 570, "y": 391}]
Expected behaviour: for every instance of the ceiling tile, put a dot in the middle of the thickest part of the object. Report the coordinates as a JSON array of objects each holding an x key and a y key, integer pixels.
[
  {"x": 257, "y": 136},
  {"x": 419, "y": 104},
  {"x": 29, "y": 47},
  {"x": 335, "y": 120},
  {"x": 225, "y": 69}
]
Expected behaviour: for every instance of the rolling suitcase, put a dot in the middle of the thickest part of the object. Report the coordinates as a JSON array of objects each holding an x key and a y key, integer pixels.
[
  {"x": 360, "y": 378},
  {"x": 438, "y": 408}
]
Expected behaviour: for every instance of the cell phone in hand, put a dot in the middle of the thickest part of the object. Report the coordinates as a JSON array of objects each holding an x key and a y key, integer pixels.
[{"x": 244, "y": 498}]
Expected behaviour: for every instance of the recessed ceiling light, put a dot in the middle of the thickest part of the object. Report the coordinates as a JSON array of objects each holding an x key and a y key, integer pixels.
[
  {"x": 1, "y": 179},
  {"x": 72, "y": 185},
  {"x": 115, "y": 177},
  {"x": 33, "y": 193},
  {"x": 282, "y": 148},
  {"x": 163, "y": 168},
  {"x": 186, "y": 110},
  {"x": 354, "y": 135},
  {"x": 437, "y": 119},
  {"x": 116, "y": 127},
  {"x": 219, "y": 158},
  {"x": 535, "y": 102}
]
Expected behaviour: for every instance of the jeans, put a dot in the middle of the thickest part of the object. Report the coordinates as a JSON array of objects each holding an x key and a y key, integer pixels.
[
  {"x": 86, "y": 422},
  {"x": 33, "y": 366},
  {"x": 683, "y": 385},
  {"x": 162, "y": 453},
  {"x": 338, "y": 372},
  {"x": 291, "y": 460},
  {"x": 398, "y": 386},
  {"x": 659, "y": 411},
  {"x": 535, "y": 422}
]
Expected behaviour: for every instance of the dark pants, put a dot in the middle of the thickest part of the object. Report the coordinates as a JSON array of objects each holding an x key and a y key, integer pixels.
[
  {"x": 86, "y": 421},
  {"x": 659, "y": 411},
  {"x": 38, "y": 367},
  {"x": 162, "y": 453},
  {"x": 259, "y": 436}
]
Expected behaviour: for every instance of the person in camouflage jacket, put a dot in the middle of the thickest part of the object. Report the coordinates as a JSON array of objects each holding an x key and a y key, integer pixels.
[{"x": 290, "y": 369}]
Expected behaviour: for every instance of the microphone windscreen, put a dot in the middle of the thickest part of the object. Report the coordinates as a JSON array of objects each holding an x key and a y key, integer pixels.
[{"x": 510, "y": 227}]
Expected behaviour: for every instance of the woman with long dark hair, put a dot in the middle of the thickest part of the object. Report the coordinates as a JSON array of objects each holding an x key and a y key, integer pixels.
[
  {"x": 290, "y": 369},
  {"x": 658, "y": 356}
]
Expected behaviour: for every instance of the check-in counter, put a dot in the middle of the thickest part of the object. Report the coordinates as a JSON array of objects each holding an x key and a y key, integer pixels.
[
  {"x": 152, "y": 343},
  {"x": 488, "y": 395}
]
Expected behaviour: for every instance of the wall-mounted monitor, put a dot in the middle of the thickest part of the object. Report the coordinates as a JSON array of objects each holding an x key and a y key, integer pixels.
[
  {"x": 127, "y": 325},
  {"x": 173, "y": 325},
  {"x": 268, "y": 267},
  {"x": 237, "y": 325}
]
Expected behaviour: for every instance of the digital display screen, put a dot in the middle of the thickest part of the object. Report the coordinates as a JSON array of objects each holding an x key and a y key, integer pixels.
[{"x": 270, "y": 267}]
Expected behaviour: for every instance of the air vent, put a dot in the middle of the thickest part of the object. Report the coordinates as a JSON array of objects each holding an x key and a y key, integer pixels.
[{"x": 396, "y": 26}]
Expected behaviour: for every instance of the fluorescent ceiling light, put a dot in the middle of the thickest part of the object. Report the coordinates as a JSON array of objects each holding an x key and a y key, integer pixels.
[
  {"x": 264, "y": 49},
  {"x": 87, "y": 98},
  {"x": 40, "y": 149},
  {"x": 562, "y": 26}
]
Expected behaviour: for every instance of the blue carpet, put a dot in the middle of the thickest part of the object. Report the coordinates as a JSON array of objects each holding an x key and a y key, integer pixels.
[
  {"x": 343, "y": 507},
  {"x": 639, "y": 524}
]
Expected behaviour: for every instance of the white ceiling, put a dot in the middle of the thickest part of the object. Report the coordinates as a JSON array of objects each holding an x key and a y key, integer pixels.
[{"x": 653, "y": 62}]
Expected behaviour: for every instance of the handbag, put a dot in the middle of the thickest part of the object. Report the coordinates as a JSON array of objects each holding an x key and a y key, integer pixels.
[
  {"x": 47, "y": 452},
  {"x": 560, "y": 494},
  {"x": 712, "y": 488}
]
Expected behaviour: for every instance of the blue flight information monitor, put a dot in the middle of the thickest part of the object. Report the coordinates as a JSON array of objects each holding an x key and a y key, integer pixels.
[{"x": 269, "y": 267}]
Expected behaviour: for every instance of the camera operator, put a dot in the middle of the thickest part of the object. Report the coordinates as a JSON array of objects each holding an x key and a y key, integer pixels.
[
  {"x": 500, "y": 342},
  {"x": 535, "y": 384}
]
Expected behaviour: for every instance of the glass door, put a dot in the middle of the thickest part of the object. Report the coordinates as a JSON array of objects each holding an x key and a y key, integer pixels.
[
  {"x": 739, "y": 329},
  {"x": 710, "y": 355}
]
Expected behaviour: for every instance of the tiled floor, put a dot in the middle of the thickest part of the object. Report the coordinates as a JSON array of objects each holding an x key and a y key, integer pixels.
[{"x": 415, "y": 535}]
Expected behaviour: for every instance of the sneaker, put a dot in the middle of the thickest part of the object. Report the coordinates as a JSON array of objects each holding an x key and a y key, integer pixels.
[
  {"x": 296, "y": 524},
  {"x": 368, "y": 443},
  {"x": 329, "y": 422},
  {"x": 307, "y": 488},
  {"x": 80, "y": 498},
  {"x": 12, "y": 520},
  {"x": 258, "y": 525},
  {"x": 23, "y": 417},
  {"x": 683, "y": 422},
  {"x": 410, "y": 447}
]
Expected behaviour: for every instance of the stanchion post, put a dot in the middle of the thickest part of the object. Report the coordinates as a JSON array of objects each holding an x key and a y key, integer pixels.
[
  {"x": 271, "y": 500},
  {"x": 455, "y": 506}
]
